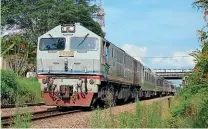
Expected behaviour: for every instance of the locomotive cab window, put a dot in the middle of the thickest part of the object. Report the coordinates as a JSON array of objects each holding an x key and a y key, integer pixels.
[
  {"x": 105, "y": 50},
  {"x": 81, "y": 43},
  {"x": 47, "y": 44}
]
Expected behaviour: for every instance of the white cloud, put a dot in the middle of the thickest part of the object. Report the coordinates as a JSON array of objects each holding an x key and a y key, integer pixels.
[
  {"x": 177, "y": 62},
  {"x": 135, "y": 51}
]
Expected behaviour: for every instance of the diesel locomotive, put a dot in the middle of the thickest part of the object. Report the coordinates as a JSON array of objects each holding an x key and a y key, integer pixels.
[{"x": 76, "y": 67}]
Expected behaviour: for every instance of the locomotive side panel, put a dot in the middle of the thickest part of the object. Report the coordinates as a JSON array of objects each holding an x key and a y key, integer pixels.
[
  {"x": 129, "y": 69},
  {"x": 159, "y": 83},
  {"x": 165, "y": 87},
  {"x": 140, "y": 70},
  {"x": 121, "y": 66},
  {"x": 149, "y": 81}
]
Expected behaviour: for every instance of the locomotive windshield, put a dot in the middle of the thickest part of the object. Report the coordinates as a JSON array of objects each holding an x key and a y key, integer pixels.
[
  {"x": 47, "y": 44},
  {"x": 82, "y": 43}
]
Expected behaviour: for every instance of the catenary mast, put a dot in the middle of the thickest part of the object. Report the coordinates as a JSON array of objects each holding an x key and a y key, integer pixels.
[{"x": 99, "y": 16}]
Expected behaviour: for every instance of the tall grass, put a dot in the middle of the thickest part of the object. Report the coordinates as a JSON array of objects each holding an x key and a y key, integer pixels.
[
  {"x": 22, "y": 118},
  {"x": 31, "y": 90},
  {"x": 144, "y": 116}
]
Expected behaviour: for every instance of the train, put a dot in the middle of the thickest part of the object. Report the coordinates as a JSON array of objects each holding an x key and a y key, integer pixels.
[{"x": 77, "y": 67}]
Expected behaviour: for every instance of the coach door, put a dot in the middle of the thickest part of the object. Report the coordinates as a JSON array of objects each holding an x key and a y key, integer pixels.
[{"x": 135, "y": 72}]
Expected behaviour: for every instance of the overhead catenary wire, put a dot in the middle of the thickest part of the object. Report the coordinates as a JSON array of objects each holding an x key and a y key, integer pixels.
[{"x": 163, "y": 57}]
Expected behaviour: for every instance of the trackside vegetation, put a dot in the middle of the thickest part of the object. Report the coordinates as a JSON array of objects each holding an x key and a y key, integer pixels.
[
  {"x": 143, "y": 116},
  {"x": 19, "y": 90},
  {"x": 189, "y": 109}
]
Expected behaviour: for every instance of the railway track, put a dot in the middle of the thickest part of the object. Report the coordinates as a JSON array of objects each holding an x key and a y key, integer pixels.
[
  {"x": 7, "y": 121},
  {"x": 26, "y": 104}
]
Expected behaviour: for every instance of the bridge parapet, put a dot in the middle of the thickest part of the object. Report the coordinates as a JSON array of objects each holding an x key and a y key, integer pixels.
[
  {"x": 172, "y": 73},
  {"x": 172, "y": 70}
]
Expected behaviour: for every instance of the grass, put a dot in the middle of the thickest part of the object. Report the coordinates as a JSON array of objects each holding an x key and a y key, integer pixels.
[
  {"x": 144, "y": 116},
  {"x": 22, "y": 118},
  {"x": 31, "y": 90},
  {"x": 189, "y": 109},
  {"x": 19, "y": 90}
]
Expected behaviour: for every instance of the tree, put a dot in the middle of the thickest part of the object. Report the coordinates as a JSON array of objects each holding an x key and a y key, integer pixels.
[
  {"x": 200, "y": 74},
  {"x": 20, "y": 56},
  {"x": 39, "y": 16}
]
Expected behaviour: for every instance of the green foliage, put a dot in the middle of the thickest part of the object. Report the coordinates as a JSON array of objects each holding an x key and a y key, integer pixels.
[
  {"x": 30, "y": 89},
  {"x": 99, "y": 120},
  {"x": 193, "y": 108},
  {"x": 22, "y": 118},
  {"x": 8, "y": 86},
  {"x": 180, "y": 109},
  {"x": 145, "y": 116},
  {"x": 39, "y": 16},
  {"x": 18, "y": 90},
  {"x": 19, "y": 53}
]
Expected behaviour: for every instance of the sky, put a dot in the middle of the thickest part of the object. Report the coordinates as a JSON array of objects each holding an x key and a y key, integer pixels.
[{"x": 152, "y": 28}]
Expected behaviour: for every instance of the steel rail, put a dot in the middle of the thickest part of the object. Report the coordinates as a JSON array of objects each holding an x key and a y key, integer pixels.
[
  {"x": 7, "y": 121},
  {"x": 26, "y": 104}
]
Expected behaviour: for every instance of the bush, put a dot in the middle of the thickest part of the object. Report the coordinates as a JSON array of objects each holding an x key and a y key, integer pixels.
[
  {"x": 8, "y": 86},
  {"x": 193, "y": 109},
  {"x": 30, "y": 89},
  {"x": 18, "y": 90}
]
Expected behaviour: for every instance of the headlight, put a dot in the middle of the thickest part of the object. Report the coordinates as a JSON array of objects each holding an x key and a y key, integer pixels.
[
  {"x": 64, "y": 28},
  {"x": 91, "y": 81},
  {"x": 71, "y": 28},
  {"x": 68, "y": 28},
  {"x": 44, "y": 81}
]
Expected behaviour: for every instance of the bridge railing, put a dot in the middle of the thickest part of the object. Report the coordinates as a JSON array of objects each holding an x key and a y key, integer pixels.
[{"x": 172, "y": 70}]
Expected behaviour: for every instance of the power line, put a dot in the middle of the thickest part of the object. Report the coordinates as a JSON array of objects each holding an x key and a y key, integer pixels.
[{"x": 164, "y": 57}]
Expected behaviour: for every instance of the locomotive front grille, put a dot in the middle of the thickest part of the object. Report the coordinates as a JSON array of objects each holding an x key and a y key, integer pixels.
[{"x": 66, "y": 91}]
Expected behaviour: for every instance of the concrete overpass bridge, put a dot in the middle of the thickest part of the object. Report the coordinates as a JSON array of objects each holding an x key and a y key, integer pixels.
[{"x": 172, "y": 73}]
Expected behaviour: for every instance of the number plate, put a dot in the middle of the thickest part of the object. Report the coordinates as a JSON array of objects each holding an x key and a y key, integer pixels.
[{"x": 66, "y": 53}]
